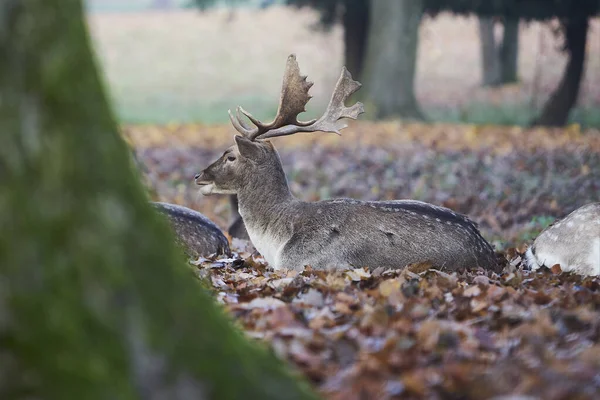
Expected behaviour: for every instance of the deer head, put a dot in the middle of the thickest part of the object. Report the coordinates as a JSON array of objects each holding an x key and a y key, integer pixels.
[
  {"x": 237, "y": 166},
  {"x": 254, "y": 160}
]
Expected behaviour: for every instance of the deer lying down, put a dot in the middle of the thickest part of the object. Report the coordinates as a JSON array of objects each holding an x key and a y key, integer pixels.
[
  {"x": 290, "y": 233},
  {"x": 196, "y": 234},
  {"x": 573, "y": 243},
  {"x": 236, "y": 229}
]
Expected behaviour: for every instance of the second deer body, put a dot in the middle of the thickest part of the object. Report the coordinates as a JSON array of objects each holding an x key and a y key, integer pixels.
[{"x": 339, "y": 233}]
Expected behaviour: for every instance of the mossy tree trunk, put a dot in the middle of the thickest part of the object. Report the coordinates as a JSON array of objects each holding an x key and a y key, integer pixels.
[{"x": 95, "y": 301}]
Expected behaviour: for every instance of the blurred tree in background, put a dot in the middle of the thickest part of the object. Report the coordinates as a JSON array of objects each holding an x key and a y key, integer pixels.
[
  {"x": 574, "y": 21},
  {"x": 354, "y": 16},
  {"x": 381, "y": 38},
  {"x": 391, "y": 59},
  {"x": 96, "y": 302},
  {"x": 206, "y": 4},
  {"x": 380, "y": 49},
  {"x": 499, "y": 60}
]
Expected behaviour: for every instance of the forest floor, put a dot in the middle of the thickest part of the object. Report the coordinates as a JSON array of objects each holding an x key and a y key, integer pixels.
[
  {"x": 189, "y": 66},
  {"x": 417, "y": 333}
]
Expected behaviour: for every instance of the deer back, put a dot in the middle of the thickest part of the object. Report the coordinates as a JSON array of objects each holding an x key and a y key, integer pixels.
[
  {"x": 573, "y": 243},
  {"x": 195, "y": 233},
  {"x": 389, "y": 234}
]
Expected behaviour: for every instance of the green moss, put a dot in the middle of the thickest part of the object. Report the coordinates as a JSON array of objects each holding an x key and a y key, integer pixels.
[{"x": 91, "y": 279}]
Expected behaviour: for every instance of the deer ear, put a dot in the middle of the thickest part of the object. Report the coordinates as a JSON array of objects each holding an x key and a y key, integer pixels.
[{"x": 247, "y": 147}]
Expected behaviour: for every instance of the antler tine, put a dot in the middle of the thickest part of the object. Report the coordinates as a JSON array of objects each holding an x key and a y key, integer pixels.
[
  {"x": 292, "y": 101},
  {"x": 239, "y": 125},
  {"x": 336, "y": 110}
]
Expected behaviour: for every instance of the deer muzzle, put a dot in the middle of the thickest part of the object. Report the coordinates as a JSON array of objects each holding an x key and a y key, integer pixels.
[{"x": 206, "y": 183}]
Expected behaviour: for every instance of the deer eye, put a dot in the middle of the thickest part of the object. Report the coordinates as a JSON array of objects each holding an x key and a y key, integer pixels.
[{"x": 230, "y": 158}]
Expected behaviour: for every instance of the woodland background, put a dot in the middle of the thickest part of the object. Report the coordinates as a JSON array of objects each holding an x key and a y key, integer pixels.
[
  {"x": 173, "y": 70},
  {"x": 95, "y": 302}
]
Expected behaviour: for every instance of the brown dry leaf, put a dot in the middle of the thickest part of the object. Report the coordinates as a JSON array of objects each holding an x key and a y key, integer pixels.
[
  {"x": 429, "y": 334},
  {"x": 445, "y": 280},
  {"x": 335, "y": 282},
  {"x": 342, "y": 308},
  {"x": 472, "y": 291},
  {"x": 495, "y": 293},
  {"x": 358, "y": 274},
  {"x": 478, "y": 305},
  {"x": 481, "y": 280},
  {"x": 419, "y": 267},
  {"x": 387, "y": 287},
  {"x": 415, "y": 382},
  {"x": 345, "y": 297},
  {"x": 556, "y": 269}
]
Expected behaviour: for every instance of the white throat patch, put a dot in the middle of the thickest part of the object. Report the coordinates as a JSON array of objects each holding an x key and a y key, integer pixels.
[{"x": 269, "y": 246}]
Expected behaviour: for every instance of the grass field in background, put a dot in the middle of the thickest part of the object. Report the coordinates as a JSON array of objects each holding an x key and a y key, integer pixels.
[{"x": 186, "y": 66}]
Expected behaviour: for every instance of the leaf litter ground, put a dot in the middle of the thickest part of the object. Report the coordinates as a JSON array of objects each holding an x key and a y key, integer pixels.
[{"x": 415, "y": 333}]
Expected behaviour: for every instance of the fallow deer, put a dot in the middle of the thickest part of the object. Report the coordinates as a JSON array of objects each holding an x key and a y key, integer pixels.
[
  {"x": 196, "y": 234},
  {"x": 573, "y": 243},
  {"x": 236, "y": 229},
  {"x": 338, "y": 233}
]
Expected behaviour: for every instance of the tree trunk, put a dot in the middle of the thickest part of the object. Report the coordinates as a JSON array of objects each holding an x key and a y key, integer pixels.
[
  {"x": 490, "y": 62},
  {"x": 498, "y": 60},
  {"x": 557, "y": 108},
  {"x": 391, "y": 59},
  {"x": 96, "y": 302},
  {"x": 356, "y": 24},
  {"x": 509, "y": 51}
]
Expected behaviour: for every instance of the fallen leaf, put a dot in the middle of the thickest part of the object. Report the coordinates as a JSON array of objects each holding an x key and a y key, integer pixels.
[
  {"x": 263, "y": 302},
  {"x": 556, "y": 269}
]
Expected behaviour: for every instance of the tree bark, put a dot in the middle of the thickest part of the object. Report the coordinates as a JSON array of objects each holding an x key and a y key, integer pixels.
[
  {"x": 95, "y": 300},
  {"x": 498, "y": 60},
  {"x": 490, "y": 62},
  {"x": 557, "y": 108},
  {"x": 391, "y": 59},
  {"x": 356, "y": 25},
  {"x": 509, "y": 51}
]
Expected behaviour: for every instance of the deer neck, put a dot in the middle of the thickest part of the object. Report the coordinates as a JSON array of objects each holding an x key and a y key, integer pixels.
[
  {"x": 263, "y": 195},
  {"x": 265, "y": 205}
]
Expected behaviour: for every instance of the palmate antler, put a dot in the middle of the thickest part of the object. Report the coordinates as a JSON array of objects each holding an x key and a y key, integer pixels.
[{"x": 293, "y": 99}]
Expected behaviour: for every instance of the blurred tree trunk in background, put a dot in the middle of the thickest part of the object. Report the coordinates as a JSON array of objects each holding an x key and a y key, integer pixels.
[
  {"x": 389, "y": 75},
  {"x": 499, "y": 60},
  {"x": 490, "y": 62},
  {"x": 509, "y": 51},
  {"x": 557, "y": 108},
  {"x": 95, "y": 301},
  {"x": 356, "y": 28}
]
